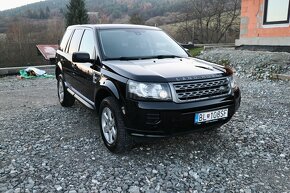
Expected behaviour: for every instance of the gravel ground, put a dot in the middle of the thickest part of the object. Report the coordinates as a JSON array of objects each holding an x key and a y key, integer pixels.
[
  {"x": 251, "y": 64},
  {"x": 47, "y": 148}
]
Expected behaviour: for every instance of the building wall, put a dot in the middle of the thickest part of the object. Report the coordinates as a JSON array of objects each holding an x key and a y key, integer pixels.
[{"x": 254, "y": 32}]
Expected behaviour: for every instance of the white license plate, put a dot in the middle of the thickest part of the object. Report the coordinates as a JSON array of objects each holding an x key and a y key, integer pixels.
[{"x": 210, "y": 116}]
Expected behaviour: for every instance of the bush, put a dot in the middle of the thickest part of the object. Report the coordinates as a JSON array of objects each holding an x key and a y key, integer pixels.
[{"x": 196, "y": 51}]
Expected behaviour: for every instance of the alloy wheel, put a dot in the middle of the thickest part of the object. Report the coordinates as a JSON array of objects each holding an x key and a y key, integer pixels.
[
  {"x": 109, "y": 126},
  {"x": 60, "y": 91}
]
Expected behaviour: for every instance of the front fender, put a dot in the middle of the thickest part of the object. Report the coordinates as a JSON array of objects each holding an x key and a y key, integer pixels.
[
  {"x": 105, "y": 89},
  {"x": 111, "y": 87},
  {"x": 107, "y": 86}
]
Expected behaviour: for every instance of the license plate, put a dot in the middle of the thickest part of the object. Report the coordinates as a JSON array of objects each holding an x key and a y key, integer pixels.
[{"x": 210, "y": 116}]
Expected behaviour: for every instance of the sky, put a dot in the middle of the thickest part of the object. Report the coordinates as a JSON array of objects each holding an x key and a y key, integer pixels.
[{"x": 14, "y": 3}]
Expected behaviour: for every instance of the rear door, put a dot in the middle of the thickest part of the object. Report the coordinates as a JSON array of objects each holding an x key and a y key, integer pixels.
[{"x": 63, "y": 56}]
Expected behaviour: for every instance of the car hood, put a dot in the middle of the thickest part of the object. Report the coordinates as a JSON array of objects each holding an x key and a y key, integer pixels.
[{"x": 165, "y": 70}]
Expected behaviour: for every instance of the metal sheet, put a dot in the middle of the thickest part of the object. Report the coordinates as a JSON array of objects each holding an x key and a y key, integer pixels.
[{"x": 47, "y": 51}]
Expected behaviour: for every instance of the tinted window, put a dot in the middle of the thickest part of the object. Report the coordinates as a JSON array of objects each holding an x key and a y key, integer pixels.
[
  {"x": 88, "y": 43},
  {"x": 118, "y": 43},
  {"x": 65, "y": 39},
  {"x": 75, "y": 41}
]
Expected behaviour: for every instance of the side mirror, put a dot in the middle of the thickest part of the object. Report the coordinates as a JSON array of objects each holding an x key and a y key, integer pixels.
[{"x": 81, "y": 57}]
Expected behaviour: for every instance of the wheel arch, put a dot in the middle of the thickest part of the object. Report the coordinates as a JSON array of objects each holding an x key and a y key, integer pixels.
[
  {"x": 105, "y": 90},
  {"x": 58, "y": 69}
]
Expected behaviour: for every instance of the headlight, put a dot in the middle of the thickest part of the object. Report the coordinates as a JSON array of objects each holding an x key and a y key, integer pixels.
[
  {"x": 155, "y": 91},
  {"x": 233, "y": 81}
]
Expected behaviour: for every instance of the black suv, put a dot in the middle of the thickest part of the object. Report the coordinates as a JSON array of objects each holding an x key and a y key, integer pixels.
[{"x": 142, "y": 83}]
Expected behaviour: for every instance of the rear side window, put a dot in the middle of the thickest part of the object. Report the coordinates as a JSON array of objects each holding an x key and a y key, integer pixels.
[
  {"x": 65, "y": 39},
  {"x": 88, "y": 43},
  {"x": 75, "y": 41}
]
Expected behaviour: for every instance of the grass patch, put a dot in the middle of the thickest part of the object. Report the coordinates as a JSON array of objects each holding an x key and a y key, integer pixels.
[
  {"x": 224, "y": 62},
  {"x": 196, "y": 51}
]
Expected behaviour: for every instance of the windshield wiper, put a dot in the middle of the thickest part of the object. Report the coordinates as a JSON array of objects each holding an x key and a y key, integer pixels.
[
  {"x": 128, "y": 58},
  {"x": 165, "y": 56},
  {"x": 124, "y": 58}
]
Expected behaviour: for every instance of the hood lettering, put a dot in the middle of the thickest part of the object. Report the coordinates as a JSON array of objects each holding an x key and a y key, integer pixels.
[{"x": 188, "y": 78}]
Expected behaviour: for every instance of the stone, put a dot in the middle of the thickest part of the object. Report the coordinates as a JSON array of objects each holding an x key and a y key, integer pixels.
[
  {"x": 154, "y": 171},
  {"x": 58, "y": 187},
  {"x": 134, "y": 189}
]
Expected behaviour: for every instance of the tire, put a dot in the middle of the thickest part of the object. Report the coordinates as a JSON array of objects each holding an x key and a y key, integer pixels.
[
  {"x": 64, "y": 97},
  {"x": 113, "y": 130}
]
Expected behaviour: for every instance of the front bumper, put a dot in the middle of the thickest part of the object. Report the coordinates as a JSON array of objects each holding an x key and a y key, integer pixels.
[{"x": 160, "y": 119}]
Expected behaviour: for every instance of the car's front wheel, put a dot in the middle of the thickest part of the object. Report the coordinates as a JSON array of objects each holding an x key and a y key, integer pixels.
[
  {"x": 64, "y": 97},
  {"x": 113, "y": 131}
]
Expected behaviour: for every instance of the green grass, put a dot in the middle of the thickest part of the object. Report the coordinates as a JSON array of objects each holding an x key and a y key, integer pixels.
[
  {"x": 224, "y": 62},
  {"x": 196, "y": 51}
]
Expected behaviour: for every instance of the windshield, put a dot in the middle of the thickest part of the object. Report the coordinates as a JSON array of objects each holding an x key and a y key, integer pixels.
[{"x": 138, "y": 44}]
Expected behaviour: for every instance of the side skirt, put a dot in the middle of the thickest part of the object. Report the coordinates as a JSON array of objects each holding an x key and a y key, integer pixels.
[{"x": 79, "y": 98}]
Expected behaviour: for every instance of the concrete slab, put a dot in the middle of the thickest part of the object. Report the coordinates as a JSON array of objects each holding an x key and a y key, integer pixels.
[{"x": 281, "y": 77}]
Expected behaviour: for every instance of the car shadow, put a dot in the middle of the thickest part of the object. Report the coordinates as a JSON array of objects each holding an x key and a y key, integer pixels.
[{"x": 202, "y": 143}]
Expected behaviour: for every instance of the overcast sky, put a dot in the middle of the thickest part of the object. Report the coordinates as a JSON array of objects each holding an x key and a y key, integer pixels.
[{"x": 8, "y": 4}]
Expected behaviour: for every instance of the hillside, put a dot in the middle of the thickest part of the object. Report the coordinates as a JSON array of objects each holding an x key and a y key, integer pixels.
[
  {"x": 113, "y": 9},
  {"x": 24, "y": 27},
  {"x": 153, "y": 12},
  {"x": 187, "y": 21}
]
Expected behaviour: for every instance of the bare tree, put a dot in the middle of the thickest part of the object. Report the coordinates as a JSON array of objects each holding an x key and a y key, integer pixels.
[
  {"x": 211, "y": 19},
  {"x": 18, "y": 36},
  {"x": 185, "y": 32},
  {"x": 55, "y": 35},
  {"x": 136, "y": 19},
  {"x": 22, "y": 37}
]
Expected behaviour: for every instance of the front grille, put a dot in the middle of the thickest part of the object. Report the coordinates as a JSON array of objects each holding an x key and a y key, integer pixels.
[{"x": 202, "y": 89}]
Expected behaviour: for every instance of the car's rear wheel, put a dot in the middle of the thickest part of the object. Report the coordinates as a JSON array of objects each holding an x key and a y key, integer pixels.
[
  {"x": 112, "y": 128},
  {"x": 64, "y": 97}
]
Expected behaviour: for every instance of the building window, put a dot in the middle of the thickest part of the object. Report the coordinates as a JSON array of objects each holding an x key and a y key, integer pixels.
[{"x": 276, "y": 11}]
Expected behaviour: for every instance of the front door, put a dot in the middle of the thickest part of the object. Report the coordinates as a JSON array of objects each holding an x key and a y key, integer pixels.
[
  {"x": 70, "y": 66},
  {"x": 87, "y": 73}
]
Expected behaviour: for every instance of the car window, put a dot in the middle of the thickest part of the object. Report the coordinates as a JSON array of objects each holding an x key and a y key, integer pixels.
[
  {"x": 65, "y": 39},
  {"x": 88, "y": 43},
  {"x": 118, "y": 43},
  {"x": 75, "y": 41}
]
